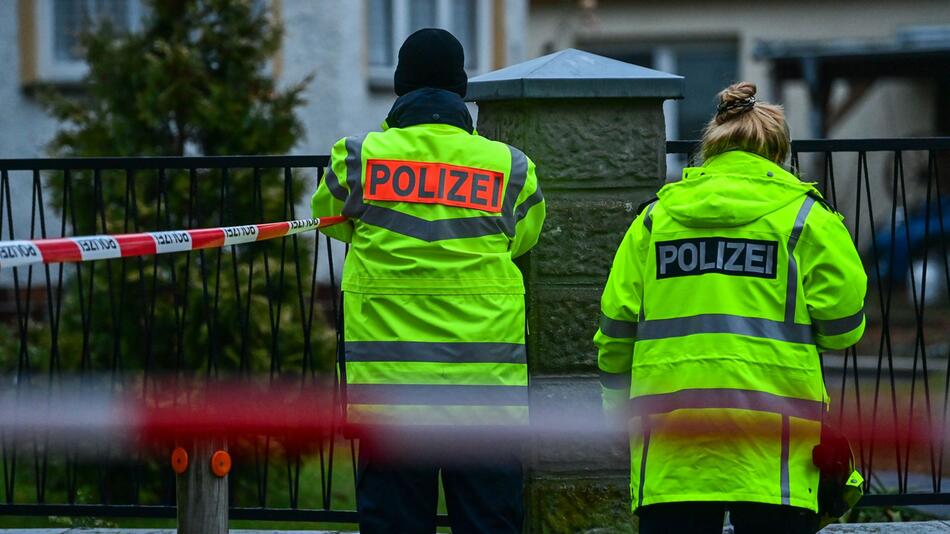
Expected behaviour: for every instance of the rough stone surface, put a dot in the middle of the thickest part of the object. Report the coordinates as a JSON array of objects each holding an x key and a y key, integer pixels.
[
  {"x": 580, "y": 504},
  {"x": 562, "y": 322},
  {"x": 566, "y": 273},
  {"x": 597, "y": 160},
  {"x": 583, "y": 143},
  {"x": 570, "y": 400},
  {"x": 578, "y": 231}
]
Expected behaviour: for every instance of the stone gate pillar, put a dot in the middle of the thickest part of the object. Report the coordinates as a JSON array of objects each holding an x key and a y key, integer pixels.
[{"x": 595, "y": 129}]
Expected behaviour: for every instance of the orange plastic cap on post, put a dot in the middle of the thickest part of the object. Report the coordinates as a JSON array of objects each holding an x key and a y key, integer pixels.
[
  {"x": 179, "y": 460},
  {"x": 220, "y": 463}
]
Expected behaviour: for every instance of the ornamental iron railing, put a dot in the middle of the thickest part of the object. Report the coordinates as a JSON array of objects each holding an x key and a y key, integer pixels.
[
  {"x": 272, "y": 310},
  {"x": 127, "y": 325}
]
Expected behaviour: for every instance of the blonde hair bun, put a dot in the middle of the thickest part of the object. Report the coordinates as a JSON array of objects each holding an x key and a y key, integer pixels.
[
  {"x": 743, "y": 123},
  {"x": 734, "y": 101}
]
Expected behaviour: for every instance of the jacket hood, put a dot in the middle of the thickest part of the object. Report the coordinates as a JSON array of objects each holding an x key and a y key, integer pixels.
[
  {"x": 429, "y": 106},
  {"x": 731, "y": 189}
]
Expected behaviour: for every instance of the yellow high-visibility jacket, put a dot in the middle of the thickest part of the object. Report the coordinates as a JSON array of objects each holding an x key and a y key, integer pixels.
[
  {"x": 434, "y": 312},
  {"x": 720, "y": 297}
]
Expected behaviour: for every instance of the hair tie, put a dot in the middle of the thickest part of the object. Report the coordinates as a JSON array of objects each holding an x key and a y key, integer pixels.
[{"x": 743, "y": 105}]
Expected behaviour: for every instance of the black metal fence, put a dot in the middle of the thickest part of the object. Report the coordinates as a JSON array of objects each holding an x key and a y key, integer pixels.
[
  {"x": 271, "y": 309},
  {"x": 267, "y": 309}
]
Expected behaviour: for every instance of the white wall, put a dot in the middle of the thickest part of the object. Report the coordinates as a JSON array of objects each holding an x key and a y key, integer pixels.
[
  {"x": 25, "y": 129},
  {"x": 328, "y": 39},
  {"x": 24, "y": 126}
]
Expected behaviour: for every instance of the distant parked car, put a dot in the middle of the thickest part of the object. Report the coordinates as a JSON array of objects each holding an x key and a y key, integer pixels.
[{"x": 917, "y": 236}]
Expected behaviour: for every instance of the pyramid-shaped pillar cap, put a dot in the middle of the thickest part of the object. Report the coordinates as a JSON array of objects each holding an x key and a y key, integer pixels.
[{"x": 574, "y": 73}]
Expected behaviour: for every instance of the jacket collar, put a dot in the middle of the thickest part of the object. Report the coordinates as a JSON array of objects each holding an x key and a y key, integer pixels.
[
  {"x": 731, "y": 189},
  {"x": 740, "y": 162},
  {"x": 429, "y": 106}
]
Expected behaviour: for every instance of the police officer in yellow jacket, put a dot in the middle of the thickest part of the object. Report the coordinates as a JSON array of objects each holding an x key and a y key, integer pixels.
[
  {"x": 721, "y": 295},
  {"x": 434, "y": 321}
]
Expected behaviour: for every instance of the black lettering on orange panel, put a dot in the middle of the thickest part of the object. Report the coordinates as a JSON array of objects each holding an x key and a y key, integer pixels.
[
  {"x": 427, "y": 182},
  {"x": 478, "y": 187},
  {"x": 460, "y": 178},
  {"x": 498, "y": 182},
  {"x": 378, "y": 174},
  {"x": 721, "y": 255},
  {"x": 410, "y": 181},
  {"x": 423, "y": 192}
]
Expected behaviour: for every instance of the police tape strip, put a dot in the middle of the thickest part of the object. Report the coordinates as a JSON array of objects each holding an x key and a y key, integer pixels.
[{"x": 103, "y": 247}]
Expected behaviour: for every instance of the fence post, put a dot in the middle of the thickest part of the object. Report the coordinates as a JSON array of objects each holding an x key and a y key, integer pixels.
[
  {"x": 595, "y": 129},
  {"x": 202, "y": 494}
]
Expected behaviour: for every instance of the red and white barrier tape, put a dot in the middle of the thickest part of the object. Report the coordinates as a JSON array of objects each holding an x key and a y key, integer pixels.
[
  {"x": 302, "y": 414},
  {"x": 104, "y": 247}
]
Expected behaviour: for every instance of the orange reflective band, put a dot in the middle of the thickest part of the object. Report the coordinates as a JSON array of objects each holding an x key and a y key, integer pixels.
[
  {"x": 220, "y": 463},
  {"x": 179, "y": 460},
  {"x": 433, "y": 183}
]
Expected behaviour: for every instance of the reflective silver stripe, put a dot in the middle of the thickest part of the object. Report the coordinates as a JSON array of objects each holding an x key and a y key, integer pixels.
[
  {"x": 836, "y": 327},
  {"x": 353, "y": 206},
  {"x": 724, "y": 324},
  {"x": 792, "y": 290},
  {"x": 647, "y": 221},
  {"x": 643, "y": 459},
  {"x": 411, "y": 351},
  {"x": 617, "y": 328},
  {"x": 412, "y": 226},
  {"x": 436, "y": 395},
  {"x": 786, "y": 485},
  {"x": 615, "y": 380},
  {"x": 516, "y": 181},
  {"x": 726, "y": 398},
  {"x": 522, "y": 210},
  {"x": 333, "y": 185},
  {"x": 800, "y": 221}
]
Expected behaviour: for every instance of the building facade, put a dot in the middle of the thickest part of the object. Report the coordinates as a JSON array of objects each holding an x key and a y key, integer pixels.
[
  {"x": 847, "y": 69},
  {"x": 713, "y": 44},
  {"x": 349, "y": 46}
]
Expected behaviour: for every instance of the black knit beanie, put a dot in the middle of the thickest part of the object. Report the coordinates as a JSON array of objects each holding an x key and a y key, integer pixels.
[{"x": 431, "y": 58}]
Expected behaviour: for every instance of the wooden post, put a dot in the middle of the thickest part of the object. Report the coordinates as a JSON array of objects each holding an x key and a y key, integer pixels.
[{"x": 201, "y": 494}]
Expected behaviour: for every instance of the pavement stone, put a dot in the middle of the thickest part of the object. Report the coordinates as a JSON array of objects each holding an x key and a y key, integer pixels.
[
  {"x": 153, "y": 531},
  {"x": 912, "y": 527}
]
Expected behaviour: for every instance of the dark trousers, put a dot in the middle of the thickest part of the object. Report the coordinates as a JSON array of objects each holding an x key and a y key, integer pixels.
[
  {"x": 397, "y": 494},
  {"x": 707, "y": 518}
]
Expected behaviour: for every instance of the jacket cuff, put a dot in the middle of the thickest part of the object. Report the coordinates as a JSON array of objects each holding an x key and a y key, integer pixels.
[{"x": 841, "y": 333}]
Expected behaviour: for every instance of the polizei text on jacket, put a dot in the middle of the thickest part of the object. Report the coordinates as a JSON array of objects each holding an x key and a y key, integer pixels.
[{"x": 703, "y": 255}]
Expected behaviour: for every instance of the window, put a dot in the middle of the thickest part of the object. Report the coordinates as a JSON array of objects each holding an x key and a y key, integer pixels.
[
  {"x": 708, "y": 67},
  {"x": 389, "y": 22},
  {"x": 59, "y": 26}
]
